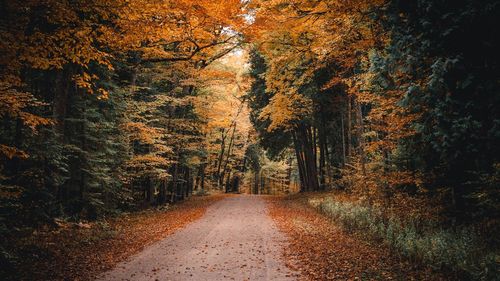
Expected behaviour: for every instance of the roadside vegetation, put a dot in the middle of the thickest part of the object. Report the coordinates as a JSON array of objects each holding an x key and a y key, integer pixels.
[
  {"x": 463, "y": 250},
  {"x": 82, "y": 250}
]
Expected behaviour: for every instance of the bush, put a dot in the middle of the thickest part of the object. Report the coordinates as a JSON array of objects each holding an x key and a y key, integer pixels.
[
  {"x": 201, "y": 192},
  {"x": 459, "y": 250}
]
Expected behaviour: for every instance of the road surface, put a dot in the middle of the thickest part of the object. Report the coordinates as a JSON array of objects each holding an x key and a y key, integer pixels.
[{"x": 234, "y": 240}]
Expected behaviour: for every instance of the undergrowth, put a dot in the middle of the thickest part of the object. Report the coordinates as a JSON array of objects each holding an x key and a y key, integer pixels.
[{"x": 459, "y": 250}]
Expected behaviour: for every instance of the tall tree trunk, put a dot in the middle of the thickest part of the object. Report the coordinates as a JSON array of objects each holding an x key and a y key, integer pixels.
[
  {"x": 256, "y": 182},
  {"x": 228, "y": 183},
  {"x": 262, "y": 182},
  {"x": 328, "y": 162},
  {"x": 314, "y": 144},
  {"x": 322, "y": 147},
  {"x": 221, "y": 155},
  {"x": 181, "y": 187},
  {"x": 230, "y": 146},
  {"x": 309, "y": 159},
  {"x": 187, "y": 178},
  {"x": 349, "y": 129},
  {"x": 197, "y": 179},
  {"x": 60, "y": 111},
  {"x": 202, "y": 185},
  {"x": 343, "y": 139},
  {"x": 162, "y": 198},
  {"x": 174, "y": 183},
  {"x": 300, "y": 161},
  {"x": 60, "y": 103},
  {"x": 289, "y": 173},
  {"x": 84, "y": 148},
  {"x": 361, "y": 138},
  {"x": 150, "y": 190}
]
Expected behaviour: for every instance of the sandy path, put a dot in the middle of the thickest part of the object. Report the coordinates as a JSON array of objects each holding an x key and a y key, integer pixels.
[{"x": 234, "y": 240}]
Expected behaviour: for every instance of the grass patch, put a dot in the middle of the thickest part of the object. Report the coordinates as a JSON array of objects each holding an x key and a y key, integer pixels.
[{"x": 459, "y": 250}]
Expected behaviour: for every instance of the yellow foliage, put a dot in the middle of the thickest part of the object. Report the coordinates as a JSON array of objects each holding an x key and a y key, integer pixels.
[{"x": 11, "y": 152}]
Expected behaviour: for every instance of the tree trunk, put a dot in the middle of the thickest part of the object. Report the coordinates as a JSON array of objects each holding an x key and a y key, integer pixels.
[
  {"x": 197, "y": 179},
  {"x": 360, "y": 138},
  {"x": 322, "y": 147},
  {"x": 187, "y": 178},
  {"x": 231, "y": 141},
  {"x": 349, "y": 129},
  {"x": 256, "y": 182},
  {"x": 202, "y": 176},
  {"x": 228, "y": 183},
  {"x": 300, "y": 162},
  {"x": 314, "y": 144},
  {"x": 221, "y": 155},
  {"x": 309, "y": 159},
  {"x": 162, "y": 198},
  {"x": 60, "y": 104},
  {"x": 343, "y": 139},
  {"x": 149, "y": 191},
  {"x": 60, "y": 110},
  {"x": 174, "y": 183}
]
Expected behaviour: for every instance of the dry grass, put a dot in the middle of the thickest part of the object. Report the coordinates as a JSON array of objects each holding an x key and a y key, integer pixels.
[{"x": 321, "y": 250}]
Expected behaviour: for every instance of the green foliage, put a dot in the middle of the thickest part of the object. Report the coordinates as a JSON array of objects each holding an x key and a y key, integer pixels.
[
  {"x": 276, "y": 141},
  {"x": 437, "y": 56}
]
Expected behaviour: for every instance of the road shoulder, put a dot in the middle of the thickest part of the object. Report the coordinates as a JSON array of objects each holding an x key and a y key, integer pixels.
[
  {"x": 81, "y": 252},
  {"x": 320, "y": 250}
]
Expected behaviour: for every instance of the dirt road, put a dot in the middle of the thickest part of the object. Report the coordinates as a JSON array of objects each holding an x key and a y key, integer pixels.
[{"x": 234, "y": 240}]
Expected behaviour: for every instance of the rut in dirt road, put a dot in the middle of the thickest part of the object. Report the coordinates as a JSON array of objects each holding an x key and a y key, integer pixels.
[{"x": 234, "y": 240}]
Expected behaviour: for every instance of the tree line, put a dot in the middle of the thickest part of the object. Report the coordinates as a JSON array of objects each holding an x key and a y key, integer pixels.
[
  {"x": 108, "y": 105},
  {"x": 383, "y": 97},
  {"x": 105, "y": 105}
]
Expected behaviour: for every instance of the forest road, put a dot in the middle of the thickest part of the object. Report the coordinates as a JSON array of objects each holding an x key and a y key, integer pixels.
[{"x": 235, "y": 240}]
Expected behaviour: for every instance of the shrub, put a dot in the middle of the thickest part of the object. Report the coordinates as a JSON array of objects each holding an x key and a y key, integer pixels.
[{"x": 201, "y": 192}]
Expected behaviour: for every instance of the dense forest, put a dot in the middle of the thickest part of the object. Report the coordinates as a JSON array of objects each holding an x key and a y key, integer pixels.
[{"x": 112, "y": 106}]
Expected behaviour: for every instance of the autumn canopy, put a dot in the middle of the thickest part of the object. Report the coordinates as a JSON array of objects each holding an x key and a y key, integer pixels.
[{"x": 109, "y": 106}]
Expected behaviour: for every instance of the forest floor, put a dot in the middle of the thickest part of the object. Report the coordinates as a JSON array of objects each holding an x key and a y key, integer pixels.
[
  {"x": 320, "y": 250},
  {"x": 82, "y": 251},
  {"x": 220, "y": 237}
]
